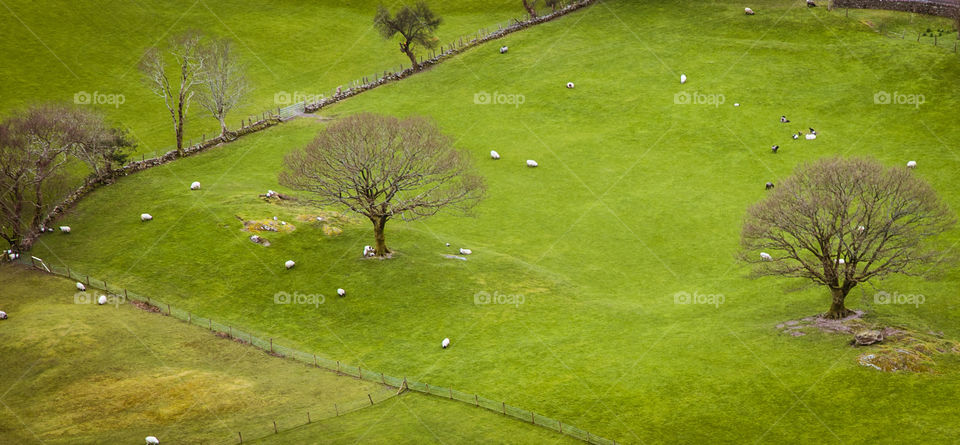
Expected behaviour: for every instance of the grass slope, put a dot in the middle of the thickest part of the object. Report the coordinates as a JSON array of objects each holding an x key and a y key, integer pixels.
[
  {"x": 290, "y": 46},
  {"x": 636, "y": 199},
  {"x": 418, "y": 419}
]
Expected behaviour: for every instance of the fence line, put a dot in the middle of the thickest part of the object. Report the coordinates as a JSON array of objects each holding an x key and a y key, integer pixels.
[{"x": 312, "y": 359}]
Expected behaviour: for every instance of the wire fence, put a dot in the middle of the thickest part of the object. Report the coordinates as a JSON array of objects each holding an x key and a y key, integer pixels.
[{"x": 395, "y": 384}]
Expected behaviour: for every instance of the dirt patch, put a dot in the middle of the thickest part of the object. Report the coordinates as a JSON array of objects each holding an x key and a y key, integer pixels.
[
  {"x": 331, "y": 223},
  {"x": 259, "y": 226},
  {"x": 899, "y": 348},
  {"x": 145, "y": 306}
]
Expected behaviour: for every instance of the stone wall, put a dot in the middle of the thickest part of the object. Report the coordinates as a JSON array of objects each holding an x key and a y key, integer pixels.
[{"x": 942, "y": 8}]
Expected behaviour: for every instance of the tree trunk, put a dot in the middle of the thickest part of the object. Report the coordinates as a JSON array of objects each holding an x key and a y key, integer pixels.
[
  {"x": 224, "y": 132},
  {"x": 837, "y": 308},
  {"x": 531, "y": 8},
  {"x": 37, "y": 207},
  {"x": 413, "y": 58},
  {"x": 180, "y": 125},
  {"x": 379, "y": 224}
]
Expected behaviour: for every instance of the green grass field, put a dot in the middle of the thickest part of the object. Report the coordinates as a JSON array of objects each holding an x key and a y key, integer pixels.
[
  {"x": 292, "y": 48},
  {"x": 637, "y": 198},
  {"x": 85, "y": 373}
]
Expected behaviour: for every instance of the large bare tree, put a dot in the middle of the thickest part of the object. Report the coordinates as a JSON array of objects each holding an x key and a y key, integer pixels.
[
  {"x": 35, "y": 146},
  {"x": 415, "y": 25},
  {"x": 224, "y": 82},
  {"x": 188, "y": 71},
  {"x": 382, "y": 167},
  {"x": 842, "y": 222}
]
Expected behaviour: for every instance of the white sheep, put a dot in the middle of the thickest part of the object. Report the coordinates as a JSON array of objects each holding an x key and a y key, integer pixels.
[
  {"x": 465, "y": 251},
  {"x": 102, "y": 300},
  {"x": 683, "y": 79},
  {"x": 504, "y": 49},
  {"x": 152, "y": 440},
  {"x": 271, "y": 193},
  {"x": 341, "y": 292},
  {"x": 65, "y": 229},
  {"x": 861, "y": 229},
  {"x": 14, "y": 256},
  {"x": 810, "y": 137},
  {"x": 369, "y": 251},
  {"x": 531, "y": 163},
  {"x": 146, "y": 217},
  {"x": 766, "y": 256},
  {"x": 195, "y": 185},
  {"x": 445, "y": 343},
  {"x": 570, "y": 85},
  {"x": 494, "y": 155},
  {"x": 912, "y": 164},
  {"x": 840, "y": 261},
  {"x": 289, "y": 264},
  {"x": 81, "y": 287},
  {"x": 747, "y": 11},
  {"x": 3, "y": 315}
]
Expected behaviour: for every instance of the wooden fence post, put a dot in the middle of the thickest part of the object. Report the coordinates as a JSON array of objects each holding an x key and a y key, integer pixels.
[
  {"x": 382, "y": 379},
  {"x": 336, "y": 409},
  {"x": 275, "y": 430},
  {"x": 241, "y": 436},
  {"x": 533, "y": 420},
  {"x": 338, "y": 366},
  {"x": 476, "y": 399},
  {"x": 504, "y": 405},
  {"x": 271, "y": 345},
  {"x": 168, "y": 309},
  {"x": 88, "y": 280},
  {"x": 371, "y": 399},
  {"x": 308, "y": 417},
  {"x": 561, "y": 426},
  {"x": 359, "y": 373},
  {"x": 451, "y": 393},
  {"x": 315, "y": 361}
]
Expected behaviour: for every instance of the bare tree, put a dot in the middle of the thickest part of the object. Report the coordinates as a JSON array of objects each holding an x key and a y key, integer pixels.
[
  {"x": 35, "y": 145},
  {"x": 553, "y": 4},
  {"x": 188, "y": 70},
  {"x": 224, "y": 82},
  {"x": 842, "y": 222},
  {"x": 382, "y": 167},
  {"x": 415, "y": 25}
]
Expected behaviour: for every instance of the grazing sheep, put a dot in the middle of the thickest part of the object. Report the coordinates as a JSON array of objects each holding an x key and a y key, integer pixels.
[
  {"x": 736, "y": 104},
  {"x": 3, "y": 315},
  {"x": 775, "y": 148},
  {"x": 766, "y": 256},
  {"x": 494, "y": 155},
  {"x": 50, "y": 229},
  {"x": 65, "y": 229},
  {"x": 683, "y": 79},
  {"x": 748, "y": 11},
  {"x": 504, "y": 49},
  {"x": 102, "y": 300},
  {"x": 769, "y": 185},
  {"x": 195, "y": 185},
  {"x": 81, "y": 287},
  {"x": 341, "y": 292},
  {"x": 531, "y": 163},
  {"x": 289, "y": 264},
  {"x": 570, "y": 85},
  {"x": 840, "y": 261},
  {"x": 911, "y": 164},
  {"x": 810, "y": 137},
  {"x": 152, "y": 440},
  {"x": 784, "y": 120},
  {"x": 811, "y": 4},
  {"x": 448, "y": 244},
  {"x": 445, "y": 343},
  {"x": 465, "y": 251},
  {"x": 369, "y": 251},
  {"x": 14, "y": 256},
  {"x": 255, "y": 238},
  {"x": 146, "y": 217},
  {"x": 812, "y": 131},
  {"x": 796, "y": 136}
]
